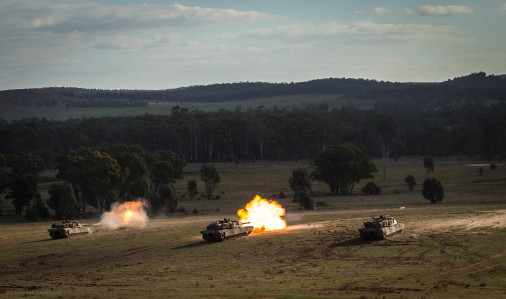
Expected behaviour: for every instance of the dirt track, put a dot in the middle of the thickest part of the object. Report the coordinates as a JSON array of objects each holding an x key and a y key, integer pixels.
[{"x": 492, "y": 219}]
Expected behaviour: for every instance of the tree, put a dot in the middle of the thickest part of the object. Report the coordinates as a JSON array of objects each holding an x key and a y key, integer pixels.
[
  {"x": 192, "y": 188},
  {"x": 63, "y": 201},
  {"x": 97, "y": 175},
  {"x": 23, "y": 176},
  {"x": 433, "y": 190},
  {"x": 300, "y": 182},
  {"x": 168, "y": 198},
  {"x": 135, "y": 175},
  {"x": 209, "y": 175},
  {"x": 410, "y": 181},
  {"x": 305, "y": 199},
  {"x": 4, "y": 178},
  {"x": 168, "y": 167},
  {"x": 300, "y": 179},
  {"x": 428, "y": 164},
  {"x": 37, "y": 211},
  {"x": 342, "y": 166},
  {"x": 372, "y": 188}
]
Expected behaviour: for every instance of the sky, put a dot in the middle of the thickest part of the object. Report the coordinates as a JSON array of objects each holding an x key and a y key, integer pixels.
[{"x": 161, "y": 44}]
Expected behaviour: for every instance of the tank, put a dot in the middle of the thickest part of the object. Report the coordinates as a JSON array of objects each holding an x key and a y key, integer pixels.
[
  {"x": 66, "y": 229},
  {"x": 381, "y": 227},
  {"x": 225, "y": 229}
]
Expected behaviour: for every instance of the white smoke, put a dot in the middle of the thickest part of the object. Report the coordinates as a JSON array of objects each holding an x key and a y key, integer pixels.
[{"x": 128, "y": 214}]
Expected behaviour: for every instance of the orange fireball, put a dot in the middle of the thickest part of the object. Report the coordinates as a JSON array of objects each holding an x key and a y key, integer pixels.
[
  {"x": 263, "y": 214},
  {"x": 127, "y": 214}
]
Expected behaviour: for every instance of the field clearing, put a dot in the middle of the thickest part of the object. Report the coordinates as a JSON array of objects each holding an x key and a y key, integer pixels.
[
  {"x": 454, "y": 249},
  {"x": 11, "y": 112}
]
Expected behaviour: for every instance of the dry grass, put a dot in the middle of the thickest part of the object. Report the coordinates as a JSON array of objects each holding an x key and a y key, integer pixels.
[{"x": 451, "y": 250}]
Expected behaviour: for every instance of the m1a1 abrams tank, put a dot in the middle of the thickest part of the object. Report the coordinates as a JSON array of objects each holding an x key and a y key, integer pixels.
[
  {"x": 380, "y": 228},
  {"x": 225, "y": 229},
  {"x": 67, "y": 229}
]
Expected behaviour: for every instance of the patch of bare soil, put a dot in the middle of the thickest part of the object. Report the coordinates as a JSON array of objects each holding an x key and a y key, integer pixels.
[{"x": 492, "y": 219}]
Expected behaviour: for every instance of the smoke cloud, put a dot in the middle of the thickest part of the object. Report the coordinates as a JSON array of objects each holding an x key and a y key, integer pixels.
[{"x": 129, "y": 214}]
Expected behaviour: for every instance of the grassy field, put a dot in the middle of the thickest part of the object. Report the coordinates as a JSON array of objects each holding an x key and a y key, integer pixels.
[
  {"x": 450, "y": 250},
  {"x": 61, "y": 113}
]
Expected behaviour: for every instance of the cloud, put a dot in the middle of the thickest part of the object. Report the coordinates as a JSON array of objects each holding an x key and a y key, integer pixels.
[
  {"x": 40, "y": 32},
  {"x": 374, "y": 11},
  {"x": 60, "y": 17},
  {"x": 360, "y": 31},
  {"x": 431, "y": 10},
  {"x": 503, "y": 7}
]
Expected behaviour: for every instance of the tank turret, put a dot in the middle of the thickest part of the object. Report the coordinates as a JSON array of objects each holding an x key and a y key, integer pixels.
[
  {"x": 67, "y": 228},
  {"x": 380, "y": 227},
  {"x": 226, "y": 229}
]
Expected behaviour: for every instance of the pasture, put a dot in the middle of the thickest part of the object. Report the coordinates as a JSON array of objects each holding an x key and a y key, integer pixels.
[
  {"x": 454, "y": 249},
  {"x": 10, "y": 112}
]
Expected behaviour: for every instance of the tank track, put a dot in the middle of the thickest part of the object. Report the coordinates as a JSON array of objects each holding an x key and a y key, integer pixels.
[
  {"x": 56, "y": 236},
  {"x": 77, "y": 234},
  {"x": 393, "y": 234},
  {"x": 236, "y": 236},
  {"x": 212, "y": 238}
]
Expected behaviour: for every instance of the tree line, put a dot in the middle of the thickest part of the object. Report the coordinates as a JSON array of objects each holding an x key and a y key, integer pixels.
[
  {"x": 96, "y": 176},
  {"x": 231, "y": 136}
]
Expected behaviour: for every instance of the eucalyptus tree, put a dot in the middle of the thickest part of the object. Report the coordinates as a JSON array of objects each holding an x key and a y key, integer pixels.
[
  {"x": 23, "y": 172},
  {"x": 342, "y": 166}
]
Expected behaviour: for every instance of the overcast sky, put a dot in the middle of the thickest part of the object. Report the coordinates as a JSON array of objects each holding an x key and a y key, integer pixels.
[{"x": 159, "y": 44}]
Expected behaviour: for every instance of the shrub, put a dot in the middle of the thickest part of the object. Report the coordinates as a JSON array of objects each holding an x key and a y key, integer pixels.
[
  {"x": 433, "y": 190},
  {"x": 410, "y": 181},
  {"x": 493, "y": 166},
  {"x": 192, "y": 188},
  {"x": 281, "y": 195},
  {"x": 195, "y": 211},
  {"x": 428, "y": 164},
  {"x": 322, "y": 203},
  {"x": 303, "y": 197},
  {"x": 372, "y": 188}
]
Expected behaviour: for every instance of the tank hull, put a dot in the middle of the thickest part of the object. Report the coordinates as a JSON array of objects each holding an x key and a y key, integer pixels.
[
  {"x": 67, "y": 232},
  {"x": 381, "y": 232},
  {"x": 226, "y": 234}
]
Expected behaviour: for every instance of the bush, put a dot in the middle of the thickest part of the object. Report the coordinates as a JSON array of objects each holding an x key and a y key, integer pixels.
[
  {"x": 195, "y": 211},
  {"x": 281, "y": 195},
  {"x": 493, "y": 166},
  {"x": 372, "y": 188},
  {"x": 303, "y": 197},
  {"x": 410, "y": 181},
  {"x": 433, "y": 190},
  {"x": 428, "y": 164},
  {"x": 192, "y": 188},
  {"x": 322, "y": 203}
]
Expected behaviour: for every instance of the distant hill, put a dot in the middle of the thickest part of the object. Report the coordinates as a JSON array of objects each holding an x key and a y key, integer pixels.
[{"x": 475, "y": 88}]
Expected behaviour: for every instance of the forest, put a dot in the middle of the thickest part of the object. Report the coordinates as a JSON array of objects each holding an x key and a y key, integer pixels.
[{"x": 465, "y": 117}]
